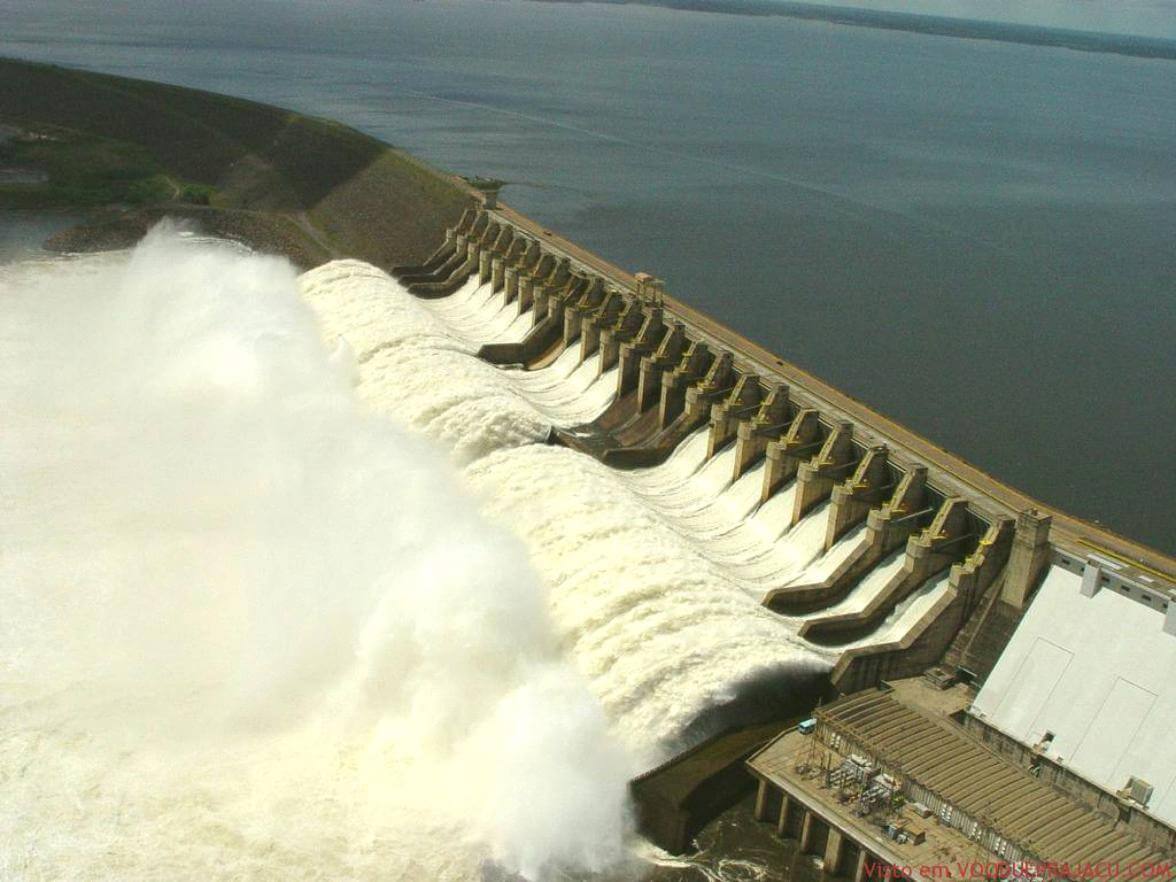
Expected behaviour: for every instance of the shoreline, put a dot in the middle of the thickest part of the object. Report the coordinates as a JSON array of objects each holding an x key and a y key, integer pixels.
[
  {"x": 110, "y": 229},
  {"x": 287, "y": 183},
  {"x": 927, "y": 24}
]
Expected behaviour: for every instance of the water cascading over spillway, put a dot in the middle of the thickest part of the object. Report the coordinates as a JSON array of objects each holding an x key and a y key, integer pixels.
[
  {"x": 644, "y": 568},
  {"x": 657, "y": 575},
  {"x": 210, "y": 542}
]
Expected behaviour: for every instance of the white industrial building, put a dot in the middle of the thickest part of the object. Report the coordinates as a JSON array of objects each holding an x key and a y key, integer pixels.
[{"x": 1089, "y": 682}]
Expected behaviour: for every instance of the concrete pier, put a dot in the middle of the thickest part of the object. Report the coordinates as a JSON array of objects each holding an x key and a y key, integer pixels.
[
  {"x": 850, "y": 502},
  {"x": 753, "y": 431},
  {"x": 804, "y": 435},
  {"x": 815, "y": 479},
  {"x": 725, "y": 415}
]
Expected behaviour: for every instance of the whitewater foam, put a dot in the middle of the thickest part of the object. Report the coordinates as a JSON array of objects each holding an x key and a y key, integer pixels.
[
  {"x": 248, "y": 615},
  {"x": 656, "y": 575},
  {"x": 249, "y": 630}
]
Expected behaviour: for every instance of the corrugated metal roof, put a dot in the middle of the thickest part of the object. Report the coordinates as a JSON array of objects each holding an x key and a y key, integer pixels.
[
  {"x": 943, "y": 758},
  {"x": 1097, "y": 673}
]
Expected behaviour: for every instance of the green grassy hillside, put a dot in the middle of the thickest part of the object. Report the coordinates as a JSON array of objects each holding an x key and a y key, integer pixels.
[{"x": 107, "y": 140}]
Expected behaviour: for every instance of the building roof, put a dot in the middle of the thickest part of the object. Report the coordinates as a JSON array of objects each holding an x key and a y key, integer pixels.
[
  {"x": 943, "y": 758},
  {"x": 1097, "y": 673}
]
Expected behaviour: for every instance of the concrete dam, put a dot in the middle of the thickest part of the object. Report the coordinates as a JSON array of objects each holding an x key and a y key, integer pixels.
[
  {"x": 639, "y": 576},
  {"x": 719, "y": 528},
  {"x": 739, "y": 472}
]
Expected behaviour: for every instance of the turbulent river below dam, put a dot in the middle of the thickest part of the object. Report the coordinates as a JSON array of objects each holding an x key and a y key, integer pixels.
[{"x": 293, "y": 586}]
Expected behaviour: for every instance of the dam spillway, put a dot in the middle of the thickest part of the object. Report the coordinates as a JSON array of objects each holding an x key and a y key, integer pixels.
[
  {"x": 709, "y": 517},
  {"x": 870, "y": 555},
  {"x": 672, "y": 575},
  {"x": 657, "y": 612},
  {"x": 671, "y": 578},
  {"x": 663, "y": 576},
  {"x": 718, "y": 539}
]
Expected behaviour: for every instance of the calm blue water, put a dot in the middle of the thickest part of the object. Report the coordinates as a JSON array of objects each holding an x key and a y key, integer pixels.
[{"x": 975, "y": 238}]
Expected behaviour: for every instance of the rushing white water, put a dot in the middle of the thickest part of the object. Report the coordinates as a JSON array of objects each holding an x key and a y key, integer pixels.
[
  {"x": 419, "y": 367},
  {"x": 868, "y": 589},
  {"x": 253, "y": 627},
  {"x": 248, "y": 630},
  {"x": 907, "y": 613},
  {"x": 656, "y": 575},
  {"x": 662, "y": 631}
]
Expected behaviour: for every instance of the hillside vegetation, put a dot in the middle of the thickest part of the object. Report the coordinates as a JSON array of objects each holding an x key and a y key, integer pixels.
[
  {"x": 236, "y": 165},
  {"x": 86, "y": 170}
]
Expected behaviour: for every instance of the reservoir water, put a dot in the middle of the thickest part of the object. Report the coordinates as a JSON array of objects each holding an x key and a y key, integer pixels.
[{"x": 975, "y": 238}]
